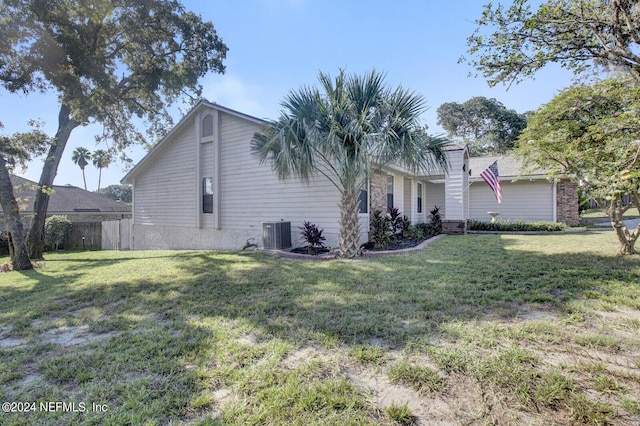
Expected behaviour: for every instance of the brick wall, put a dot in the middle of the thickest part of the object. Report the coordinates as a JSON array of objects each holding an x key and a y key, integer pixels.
[
  {"x": 454, "y": 227},
  {"x": 378, "y": 192},
  {"x": 567, "y": 202}
]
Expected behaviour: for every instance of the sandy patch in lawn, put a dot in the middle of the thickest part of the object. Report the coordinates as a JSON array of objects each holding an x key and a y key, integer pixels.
[
  {"x": 64, "y": 336},
  {"x": 72, "y": 336},
  {"x": 459, "y": 403}
]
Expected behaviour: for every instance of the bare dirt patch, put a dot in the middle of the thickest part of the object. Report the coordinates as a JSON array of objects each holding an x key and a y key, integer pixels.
[{"x": 459, "y": 403}]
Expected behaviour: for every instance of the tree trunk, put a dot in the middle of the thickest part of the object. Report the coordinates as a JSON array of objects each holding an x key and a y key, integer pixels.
[
  {"x": 35, "y": 238},
  {"x": 17, "y": 247},
  {"x": 349, "y": 223},
  {"x": 615, "y": 212},
  {"x": 627, "y": 240},
  {"x": 84, "y": 178}
]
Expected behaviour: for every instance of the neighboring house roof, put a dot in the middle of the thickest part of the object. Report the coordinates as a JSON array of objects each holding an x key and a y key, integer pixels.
[
  {"x": 65, "y": 199},
  {"x": 185, "y": 121},
  {"x": 508, "y": 167}
]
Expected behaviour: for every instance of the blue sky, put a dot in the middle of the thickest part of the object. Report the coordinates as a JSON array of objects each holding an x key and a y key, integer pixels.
[{"x": 279, "y": 45}]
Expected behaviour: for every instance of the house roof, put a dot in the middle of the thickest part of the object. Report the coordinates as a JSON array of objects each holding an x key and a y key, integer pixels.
[
  {"x": 185, "y": 121},
  {"x": 65, "y": 199},
  {"x": 508, "y": 167}
]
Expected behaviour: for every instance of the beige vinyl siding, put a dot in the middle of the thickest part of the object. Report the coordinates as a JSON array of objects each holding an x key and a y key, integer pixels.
[
  {"x": 419, "y": 217},
  {"x": 252, "y": 194},
  {"x": 165, "y": 190},
  {"x": 407, "y": 195},
  {"x": 433, "y": 196},
  {"x": 521, "y": 200},
  {"x": 207, "y": 169},
  {"x": 455, "y": 188}
]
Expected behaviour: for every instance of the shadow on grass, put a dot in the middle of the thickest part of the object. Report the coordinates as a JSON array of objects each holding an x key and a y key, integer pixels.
[{"x": 176, "y": 316}]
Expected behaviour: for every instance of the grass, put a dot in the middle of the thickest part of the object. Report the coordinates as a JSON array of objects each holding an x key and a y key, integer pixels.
[
  {"x": 511, "y": 329},
  {"x": 599, "y": 213}
]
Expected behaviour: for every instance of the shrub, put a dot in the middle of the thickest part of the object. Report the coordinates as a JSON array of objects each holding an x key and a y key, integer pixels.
[
  {"x": 436, "y": 220},
  {"x": 412, "y": 231},
  {"x": 381, "y": 230},
  {"x": 4, "y": 244},
  {"x": 396, "y": 221},
  {"x": 55, "y": 230},
  {"x": 313, "y": 237},
  {"x": 516, "y": 226}
]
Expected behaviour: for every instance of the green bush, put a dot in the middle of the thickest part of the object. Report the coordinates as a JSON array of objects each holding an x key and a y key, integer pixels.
[
  {"x": 436, "y": 220},
  {"x": 55, "y": 230},
  {"x": 381, "y": 230},
  {"x": 4, "y": 244},
  {"x": 516, "y": 226}
]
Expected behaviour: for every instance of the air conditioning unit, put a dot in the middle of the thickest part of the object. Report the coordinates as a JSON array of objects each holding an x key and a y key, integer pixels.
[{"x": 276, "y": 235}]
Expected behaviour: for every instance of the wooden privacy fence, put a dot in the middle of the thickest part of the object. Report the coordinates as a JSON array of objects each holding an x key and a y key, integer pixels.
[
  {"x": 84, "y": 236},
  {"x": 116, "y": 235}
]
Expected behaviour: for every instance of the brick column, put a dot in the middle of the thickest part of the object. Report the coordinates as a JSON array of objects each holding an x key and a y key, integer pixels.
[
  {"x": 378, "y": 192},
  {"x": 567, "y": 202}
]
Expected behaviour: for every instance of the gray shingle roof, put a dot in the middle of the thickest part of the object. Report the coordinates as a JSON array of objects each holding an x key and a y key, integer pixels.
[
  {"x": 508, "y": 166},
  {"x": 66, "y": 199}
]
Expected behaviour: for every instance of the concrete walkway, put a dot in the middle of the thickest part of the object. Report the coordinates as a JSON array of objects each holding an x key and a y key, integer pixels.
[{"x": 631, "y": 223}]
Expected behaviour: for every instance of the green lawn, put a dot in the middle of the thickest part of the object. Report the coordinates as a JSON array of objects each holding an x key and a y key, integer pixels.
[
  {"x": 600, "y": 214},
  {"x": 481, "y": 329}
]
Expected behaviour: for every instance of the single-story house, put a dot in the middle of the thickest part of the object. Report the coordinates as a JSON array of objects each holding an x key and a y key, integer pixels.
[
  {"x": 201, "y": 188},
  {"x": 529, "y": 197},
  {"x": 86, "y": 210},
  {"x": 78, "y": 205}
]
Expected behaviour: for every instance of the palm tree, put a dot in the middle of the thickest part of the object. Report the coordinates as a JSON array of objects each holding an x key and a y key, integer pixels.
[
  {"x": 101, "y": 159},
  {"x": 81, "y": 157},
  {"x": 355, "y": 124}
]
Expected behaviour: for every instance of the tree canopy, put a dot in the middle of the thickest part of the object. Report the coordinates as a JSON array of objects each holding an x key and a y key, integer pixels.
[
  {"x": 108, "y": 61},
  {"x": 117, "y": 192},
  {"x": 592, "y": 134},
  {"x": 342, "y": 131},
  {"x": 512, "y": 43},
  {"x": 485, "y": 124}
]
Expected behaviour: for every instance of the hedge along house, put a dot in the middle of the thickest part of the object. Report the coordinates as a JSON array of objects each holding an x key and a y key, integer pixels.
[{"x": 200, "y": 187}]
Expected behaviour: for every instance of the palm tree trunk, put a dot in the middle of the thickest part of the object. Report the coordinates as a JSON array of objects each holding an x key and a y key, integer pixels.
[
  {"x": 99, "y": 177},
  {"x": 35, "y": 237},
  {"x": 84, "y": 178},
  {"x": 17, "y": 247},
  {"x": 349, "y": 223}
]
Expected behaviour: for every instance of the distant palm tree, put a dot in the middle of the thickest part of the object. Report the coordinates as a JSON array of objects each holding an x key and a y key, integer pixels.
[
  {"x": 101, "y": 160},
  {"x": 81, "y": 157},
  {"x": 353, "y": 125}
]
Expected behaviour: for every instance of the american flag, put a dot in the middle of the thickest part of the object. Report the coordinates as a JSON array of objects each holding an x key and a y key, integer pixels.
[{"x": 491, "y": 176}]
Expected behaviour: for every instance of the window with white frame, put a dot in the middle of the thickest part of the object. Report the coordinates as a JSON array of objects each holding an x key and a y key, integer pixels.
[
  {"x": 207, "y": 195},
  {"x": 419, "y": 191}
]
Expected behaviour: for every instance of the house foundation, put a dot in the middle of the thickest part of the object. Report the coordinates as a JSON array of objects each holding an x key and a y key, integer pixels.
[{"x": 454, "y": 227}]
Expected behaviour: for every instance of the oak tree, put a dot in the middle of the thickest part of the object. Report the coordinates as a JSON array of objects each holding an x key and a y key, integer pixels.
[
  {"x": 514, "y": 42},
  {"x": 17, "y": 150},
  {"x": 109, "y": 62},
  {"x": 486, "y": 125},
  {"x": 592, "y": 134}
]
